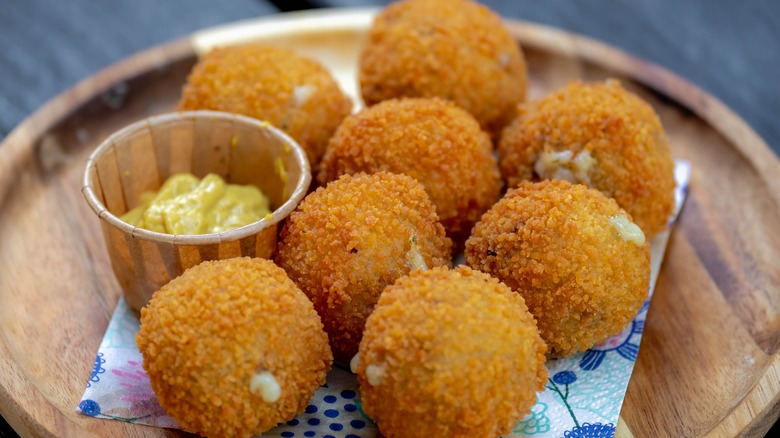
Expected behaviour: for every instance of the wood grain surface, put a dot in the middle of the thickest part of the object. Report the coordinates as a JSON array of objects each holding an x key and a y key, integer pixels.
[{"x": 708, "y": 363}]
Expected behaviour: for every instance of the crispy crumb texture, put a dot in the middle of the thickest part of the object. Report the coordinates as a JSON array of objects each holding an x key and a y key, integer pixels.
[
  {"x": 431, "y": 140},
  {"x": 454, "y": 49},
  {"x": 631, "y": 158},
  {"x": 292, "y": 92},
  {"x": 205, "y": 335},
  {"x": 350, "y": 239},
  {"x": 554, "y": 243},
  {"x": 450, "y": 353}
]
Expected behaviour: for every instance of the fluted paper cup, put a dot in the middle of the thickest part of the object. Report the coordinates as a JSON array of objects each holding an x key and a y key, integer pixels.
[{"x": 140, "y": 157}]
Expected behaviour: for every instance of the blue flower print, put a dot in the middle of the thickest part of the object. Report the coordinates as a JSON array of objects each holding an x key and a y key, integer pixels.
[
  {"x": 536, "y": 422},
  {"x": 620, "y": 343},
  {"x": 97, "y": 369},
  {"x": 588, "y": 430},
  {"x": 645, "y": 306},
  {"x": 90, "y": 407},
  {"x": 564, "y": 378}
]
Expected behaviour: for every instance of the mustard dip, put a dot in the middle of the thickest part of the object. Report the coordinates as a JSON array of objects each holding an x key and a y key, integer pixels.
[{"x": 187, "y": 205}]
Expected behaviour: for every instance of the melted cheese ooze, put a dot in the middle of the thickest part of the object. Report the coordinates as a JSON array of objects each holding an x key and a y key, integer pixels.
[
  {"x": 353, "y": 364},
  {"x": 565, "y": 165},
  {"x": 375, "y": 374},
  {"x": 265, "y": 385},
  {"x": 301, "y": 94},
  {"x": 628, "y": 230},
  {"x": 413, "y": 257}
]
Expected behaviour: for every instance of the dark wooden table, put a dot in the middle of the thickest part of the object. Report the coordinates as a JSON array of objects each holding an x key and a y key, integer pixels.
[{"x": 729, "y": 48}]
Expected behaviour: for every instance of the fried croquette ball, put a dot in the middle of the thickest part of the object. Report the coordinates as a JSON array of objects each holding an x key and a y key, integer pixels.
[
  {"x": 454, "y": 49},
  {"x": 233, "y": 347},
  {"x": 449, "y": 353},
  {"x": 576, "y": 257},
  {"x": 431, "y": 140},
  {"x": 345, "y": 242},
  {"x": 292, "y": 92},
  {"x": 600, "y": 135}
]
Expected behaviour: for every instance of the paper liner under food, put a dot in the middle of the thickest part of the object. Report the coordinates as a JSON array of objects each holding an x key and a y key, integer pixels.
[{"x": 582, "y": 398}]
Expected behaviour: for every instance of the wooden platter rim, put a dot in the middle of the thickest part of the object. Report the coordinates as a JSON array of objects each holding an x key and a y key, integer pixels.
[
  {"x": 762, "y": 402},
  {"x": 17, "y": 145}
]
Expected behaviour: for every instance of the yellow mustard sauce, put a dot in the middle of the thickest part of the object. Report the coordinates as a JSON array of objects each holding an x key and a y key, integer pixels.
[{"x": 188, "y": 205}]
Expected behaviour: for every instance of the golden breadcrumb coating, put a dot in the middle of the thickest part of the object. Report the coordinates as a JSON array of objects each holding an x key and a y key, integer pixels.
[
  {"x": 292, "y": 92},
  {"x": 431, "y": 140},
  {"x": 207, "y": 333},
  {"x": 345, "y": 242},
  {"x": 632, "y": 161},
  {"x": 454, "y": 49},
  {"x": 450, "y": 353},
  {"x": 560, "y": 246}
]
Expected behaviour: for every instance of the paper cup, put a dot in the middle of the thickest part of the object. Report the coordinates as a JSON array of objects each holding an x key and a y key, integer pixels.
[{"x": 140, "y": 157}]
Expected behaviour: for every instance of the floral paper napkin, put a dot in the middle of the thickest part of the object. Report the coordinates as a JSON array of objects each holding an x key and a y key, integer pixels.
[{"x": 582, "y": 398}]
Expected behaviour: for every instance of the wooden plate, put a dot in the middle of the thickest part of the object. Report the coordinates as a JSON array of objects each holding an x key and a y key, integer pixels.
[{"x": 708, "y": 362}]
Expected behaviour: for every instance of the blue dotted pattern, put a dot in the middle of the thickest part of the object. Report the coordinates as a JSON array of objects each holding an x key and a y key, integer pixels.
[{"x": 333, "y": 412}]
